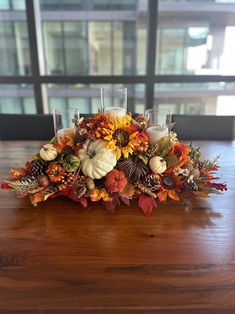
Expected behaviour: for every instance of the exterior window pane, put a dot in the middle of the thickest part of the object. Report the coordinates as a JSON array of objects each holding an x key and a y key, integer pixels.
[
  {"x": 75, "y": 48},
  {"x": 54, "y": 52},
  {"x": 17, "y": 99},
  {"x": 5, "y": 5},
  {"x": 14, "y": 41},
  {"x": 18, "y": 4},
  {"x": 88, "y": 5},
  {"x": 14, "y": 49},
  {"x": 100, "y": 47},
  {"x": 95, "y": 38},
  {"x": 193, "y": 98},
  {"x": 86, "y": 98},
  {"x": 196, "y": 39}
]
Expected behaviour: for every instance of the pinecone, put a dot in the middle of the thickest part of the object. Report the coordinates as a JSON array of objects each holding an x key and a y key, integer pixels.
[
  {"x": 152, "y": 183},
  {"x": 37, "y": 167},
  {"x": 191, "y": 186},
  {"x": 149, "y": 185},
  {"x": 134, "y": 168}
]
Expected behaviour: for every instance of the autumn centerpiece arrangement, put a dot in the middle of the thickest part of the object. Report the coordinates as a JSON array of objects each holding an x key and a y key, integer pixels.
[{"x": 109, "y": 159}]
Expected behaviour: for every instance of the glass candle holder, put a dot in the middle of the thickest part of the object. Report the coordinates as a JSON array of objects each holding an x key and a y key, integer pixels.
[
  {"x": 114, "y": 101},
  {"x": 155, "y": 130},
  {"x": 65, "y": 122}
]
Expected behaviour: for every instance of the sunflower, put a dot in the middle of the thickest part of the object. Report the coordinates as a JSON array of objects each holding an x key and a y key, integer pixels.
[
  {"x": 171, "y": 184},
  {"x": 120, "y": 137}
]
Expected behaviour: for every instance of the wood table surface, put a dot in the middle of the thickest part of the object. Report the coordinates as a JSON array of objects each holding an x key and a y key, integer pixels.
[{"x": 61, "y": 258}]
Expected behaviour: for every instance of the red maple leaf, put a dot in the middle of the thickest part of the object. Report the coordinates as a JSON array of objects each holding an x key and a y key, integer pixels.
[
  {"x": 114, "y": 203},
  {"x": 147, "y": 203},
  {"x": 83, "y": 201}
]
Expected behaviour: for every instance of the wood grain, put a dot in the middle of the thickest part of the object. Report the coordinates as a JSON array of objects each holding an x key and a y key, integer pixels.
[{"x": 60, "y": 258}]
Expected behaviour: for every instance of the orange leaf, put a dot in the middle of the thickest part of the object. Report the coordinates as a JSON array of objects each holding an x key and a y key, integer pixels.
[
  {"x": 162, "y": 196},
  {"x": 172, "y": 194}
]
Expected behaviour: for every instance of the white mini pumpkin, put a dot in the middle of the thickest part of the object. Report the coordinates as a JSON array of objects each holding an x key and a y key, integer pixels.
[
  {"x": 157, "y": 164},
  {"x": 48, "y": 152},
  {"x": 96, "y": 159}
]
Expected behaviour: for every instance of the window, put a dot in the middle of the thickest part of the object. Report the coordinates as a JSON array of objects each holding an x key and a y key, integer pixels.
[
  {"x": 86, "y": 98},
  {"x": 17, "y": 99},
  {"x": 177, "y": 54}
]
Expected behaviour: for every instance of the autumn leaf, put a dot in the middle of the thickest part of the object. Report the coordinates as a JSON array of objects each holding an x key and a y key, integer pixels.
[
  {"x": 147, "y": 203},
  {"x": 171, "y": 160},
  {"x": 83, "y": 201},
  {"x": 114, "y": 203},
  {"x": 125, "y": 200}
]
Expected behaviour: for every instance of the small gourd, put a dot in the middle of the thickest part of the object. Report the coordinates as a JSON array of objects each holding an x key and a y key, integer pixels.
[
  {"x": 48, "y": 152},
  {"x": 96, "y": 159},
  {"x": 157, "y": 164},
  {"x": 71, "y": 163}
]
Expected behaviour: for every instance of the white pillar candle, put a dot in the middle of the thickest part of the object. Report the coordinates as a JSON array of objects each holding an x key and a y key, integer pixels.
[
  {"x": 155, "y": 133},
  {"x": 69, "y": 132},
  {"x": 115, "y": 111}
]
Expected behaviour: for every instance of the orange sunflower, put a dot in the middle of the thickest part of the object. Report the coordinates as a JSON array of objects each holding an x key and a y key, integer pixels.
[
  {"x": 120, "y": 137},
  {"x": 171, "y": 184}
]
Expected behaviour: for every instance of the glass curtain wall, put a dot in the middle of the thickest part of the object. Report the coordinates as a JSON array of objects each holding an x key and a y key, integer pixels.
[
  {"x": 88, "y": 39},
  {"x": 196, "y": 38}
]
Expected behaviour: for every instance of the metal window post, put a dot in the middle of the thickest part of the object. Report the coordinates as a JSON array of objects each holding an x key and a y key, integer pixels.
[
  {"x": 151, "y": 52},
  {"x": 30, "y": 13}
]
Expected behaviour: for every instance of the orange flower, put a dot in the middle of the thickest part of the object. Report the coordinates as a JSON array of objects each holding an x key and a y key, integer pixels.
[
  {"x": 101, "y": 122},
  {"x": 181, "y": 151},
  {"x": 142, "y": 142},
  {"x": 171, "y": 184},
  {"x": 65, "y": 139},
  {"x": 98, "y": 194}
]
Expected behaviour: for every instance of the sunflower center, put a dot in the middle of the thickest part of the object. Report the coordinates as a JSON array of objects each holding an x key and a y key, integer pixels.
[
  {"x": 122, "y": 137},
  {"x": 168, "y": 182}
]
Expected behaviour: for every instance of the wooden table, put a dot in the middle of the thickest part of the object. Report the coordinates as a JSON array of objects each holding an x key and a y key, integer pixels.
[{"x": 60, "y": 258}]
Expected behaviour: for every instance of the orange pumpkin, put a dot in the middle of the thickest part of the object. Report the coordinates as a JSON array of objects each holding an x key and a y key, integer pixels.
[{"x": 115, "y": 181}]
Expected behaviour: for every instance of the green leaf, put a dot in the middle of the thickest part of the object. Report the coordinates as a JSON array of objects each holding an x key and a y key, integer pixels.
[
  {"x": 144, "y": 158},
  {"x": 171, "y": 160},
  {"x": 53, "y": 140}
]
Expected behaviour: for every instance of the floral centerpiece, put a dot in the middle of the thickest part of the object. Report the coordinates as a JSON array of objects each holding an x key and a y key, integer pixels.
[{"x": 109, "y": 159}]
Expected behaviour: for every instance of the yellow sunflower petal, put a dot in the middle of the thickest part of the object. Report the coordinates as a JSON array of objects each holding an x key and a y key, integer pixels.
[{"x": 118, "y": 153}]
